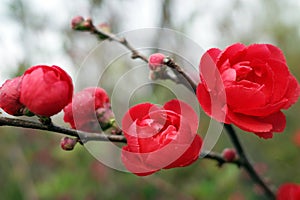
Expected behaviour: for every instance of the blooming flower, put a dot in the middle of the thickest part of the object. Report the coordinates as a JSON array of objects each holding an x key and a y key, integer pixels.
[
  {"x": 247, "y": 86},
  {"x": 160, "y": 138}
]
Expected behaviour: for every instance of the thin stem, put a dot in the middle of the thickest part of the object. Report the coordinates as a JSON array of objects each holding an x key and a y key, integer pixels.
[
  {"x": 123, "y": 41},
  {"x": 246, "y": 163},
  {"x": 81, "y": 135},
  {"x": 170, "y": 63},
  {"x": 136, "y": 54},
  {"x": 219, "y": 158}
]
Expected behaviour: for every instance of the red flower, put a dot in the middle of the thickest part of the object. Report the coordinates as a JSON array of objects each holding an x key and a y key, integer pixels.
[
  {"x": 160, "y": 138},
  {"x": 81, "y": 113},
  {"x": 10, "y": 97},
  {"x": 247, "y": 86},
  {"x": 288, "y": 191},
  {"x": 46, "y": 90}
]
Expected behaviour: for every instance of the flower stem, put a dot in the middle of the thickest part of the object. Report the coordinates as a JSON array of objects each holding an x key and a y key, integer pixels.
[{"x": 245, "y": 163}]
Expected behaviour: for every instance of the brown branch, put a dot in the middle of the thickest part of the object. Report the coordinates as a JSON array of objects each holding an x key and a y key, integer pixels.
[
  {"x": 81, "y": 135},
  {"x": 134, "y": 53},
  {"x": 190, "y": 83},
  {"x": 246, "y": 163},
  {"x": 219, "y": 158}
]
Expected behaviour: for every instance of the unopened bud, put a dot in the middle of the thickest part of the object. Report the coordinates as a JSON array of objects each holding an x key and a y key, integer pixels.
[
  {"x": 80, "y": 24},
  {"x": 77, "y": 21},
  {"x": 67, "y": 143},
  {"x": 155, "y": 61},
  {"x": 229, "y": 154}
]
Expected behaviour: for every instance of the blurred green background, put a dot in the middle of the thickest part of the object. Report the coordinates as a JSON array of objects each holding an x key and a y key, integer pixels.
[{"x": 34, "y": 32}]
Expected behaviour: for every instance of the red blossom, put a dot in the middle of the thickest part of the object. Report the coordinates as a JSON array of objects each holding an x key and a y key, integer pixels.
[
  {"x": 10, "y": 96},
  {"x": 247, "y": 86},
  {"x": 288, "y": 191},
  {"x": 81, "y": 113},
  {"x": 160, "y": 138},
  {"x": 46, "y": 90}
]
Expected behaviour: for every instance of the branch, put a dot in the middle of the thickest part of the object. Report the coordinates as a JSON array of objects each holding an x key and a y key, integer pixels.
[
  {"x": 81, "y": 135},
  {"x": 135, "y": 54},
  {"x": 170, "y": 63},
  {"x": 219, "y": 158},
  {"x": 246, "y": 163}
]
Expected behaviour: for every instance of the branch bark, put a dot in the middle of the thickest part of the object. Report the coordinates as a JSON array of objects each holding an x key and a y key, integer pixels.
[{"x": 246, "y": 163}]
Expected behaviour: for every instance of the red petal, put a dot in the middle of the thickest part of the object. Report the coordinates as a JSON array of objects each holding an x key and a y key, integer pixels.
[
  {"x": 249, "y": 123},
  {"x": 137, "y": 112},
  {"x": 281, "y": 79},
  {"x": 264, "y": 135},
  {"x": 212, "y": 104},
  {"x": 208, "y": 68},
  {"x": 293, "y": 92},
  {"x": 257, "y": 52},
  {"x": 186, "y": 111},
  {"x": 265, "y": 110},
  {"x": 134, "y": 163},
  {"x": 276, "y": 53},
  {"x": 189, "y": 156},
  {"x": 230, "y": 52},
  {"x": 277, "y": 120},
  {"x": 240, "y": 97}
]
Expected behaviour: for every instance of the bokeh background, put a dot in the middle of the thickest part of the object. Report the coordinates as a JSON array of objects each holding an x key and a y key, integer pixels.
[{"x": 38, "y": 32}]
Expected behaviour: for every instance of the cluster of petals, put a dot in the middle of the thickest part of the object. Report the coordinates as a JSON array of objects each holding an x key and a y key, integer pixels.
[
  {"x": 160, "y": 137},
  {"x": 247, "y": 86}
]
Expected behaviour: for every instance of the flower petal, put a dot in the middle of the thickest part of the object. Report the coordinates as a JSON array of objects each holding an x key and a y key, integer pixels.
[
  {"x": 186, "y": 111},
  {"x": 249, "y": 123}
]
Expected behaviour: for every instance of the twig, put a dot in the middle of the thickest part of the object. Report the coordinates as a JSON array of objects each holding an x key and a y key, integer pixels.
[
  {"x": 81, "y": 135},
  {"x": 246, "y": 163},
  {"x": 134, "y": 53},
  {"x": 170, "y": 63},
  {"x": 219, "y": 158}
]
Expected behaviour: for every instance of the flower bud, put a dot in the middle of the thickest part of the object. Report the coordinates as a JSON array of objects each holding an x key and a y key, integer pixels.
[
  {"x": 83, "y": 112},
  {"x": 67, "y": 143},
  {"x": 46, "y": 90},
  {"x": 155, "y": 61},
  {"x": 10, "y": 97},
  {"x": 76, "y": 22},
  {"x": 229, "y": 154},
  {"x": 80, "y": 24}
]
